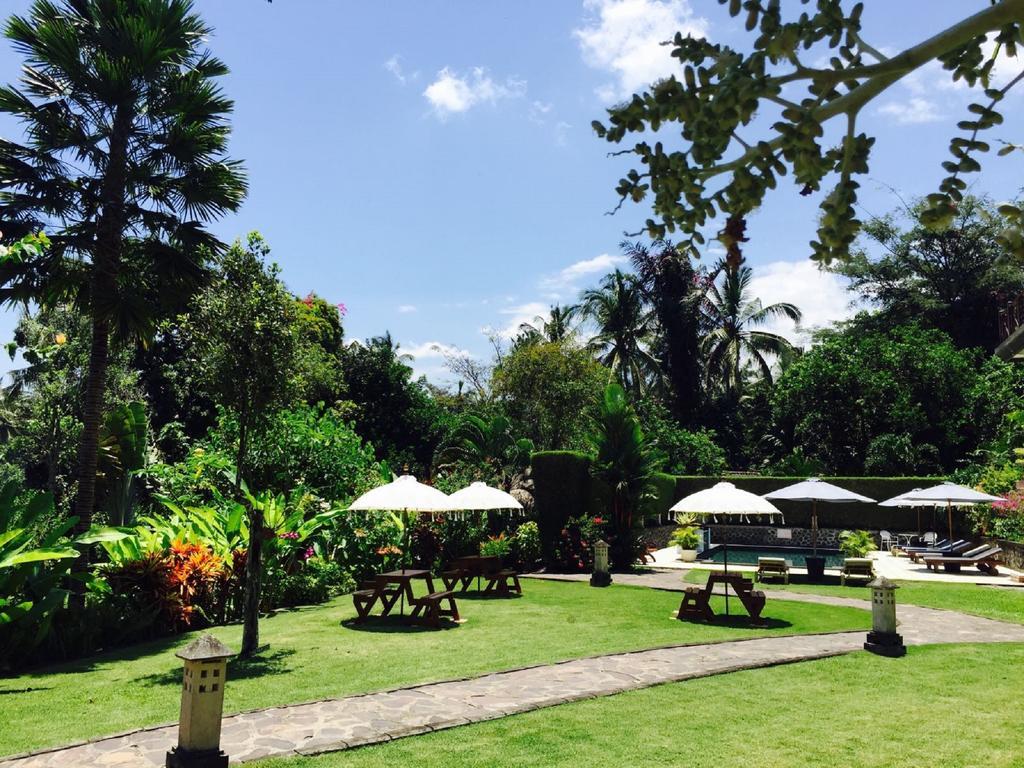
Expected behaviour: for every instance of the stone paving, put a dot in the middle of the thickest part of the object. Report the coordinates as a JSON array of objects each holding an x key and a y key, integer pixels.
[{"x": 337, "y": 724}]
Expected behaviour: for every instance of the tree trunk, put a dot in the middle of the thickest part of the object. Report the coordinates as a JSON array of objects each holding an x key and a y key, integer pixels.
[
  {"x": 106, "y": 260},
  {"x": 254, "y": 558}
]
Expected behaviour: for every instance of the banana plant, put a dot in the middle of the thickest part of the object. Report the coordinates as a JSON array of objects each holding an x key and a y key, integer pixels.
[
  {"x": 32, "y": 572},
  {"x": 123, "y": 444}
]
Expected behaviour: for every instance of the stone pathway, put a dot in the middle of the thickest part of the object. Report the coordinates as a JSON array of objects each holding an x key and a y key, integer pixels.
[{"x": 337, "y": 724}]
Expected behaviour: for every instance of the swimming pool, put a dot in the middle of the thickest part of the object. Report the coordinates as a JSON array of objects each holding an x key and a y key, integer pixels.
[{"x": 746, "y": 554}]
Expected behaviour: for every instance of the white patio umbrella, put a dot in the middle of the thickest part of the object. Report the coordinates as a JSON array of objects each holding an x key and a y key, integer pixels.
[
  {"x": 404, "y": 494},
  {"x": 814, "y": 490},
  {"x": 950, "y": 494},
  {"x": 902, "y": 500},
  {"x": 480, "y": 496},
  {"x": 727, "y": 501}
]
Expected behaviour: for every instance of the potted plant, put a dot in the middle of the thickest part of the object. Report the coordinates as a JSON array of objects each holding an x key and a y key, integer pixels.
[
  {"x": 685, "y": 540},
  {"x": 856, "y": 543}
]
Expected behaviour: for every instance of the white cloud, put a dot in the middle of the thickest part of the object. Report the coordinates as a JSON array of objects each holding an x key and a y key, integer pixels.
[
  {"x": 624, "y": 38},
  {"x": 914, "y": 111},
  {"x": 517, "y": 315},
  {"x": 406, "y": 309},
  {"x": 432, "y": 349},
  {"x": 452, "y": 93},
  {"x": 562, "y": 133},
  {"x": 568, "y": 279},
  {"x": 394, "y": 66},
  {"x": 821, "y": 296},
  {"x": 539, "y": 111}
]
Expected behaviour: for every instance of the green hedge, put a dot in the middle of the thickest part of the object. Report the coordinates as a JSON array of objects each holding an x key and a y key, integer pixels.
[
  {"x": 562, "y": 489},
  {"x": 853, "y": 515}
]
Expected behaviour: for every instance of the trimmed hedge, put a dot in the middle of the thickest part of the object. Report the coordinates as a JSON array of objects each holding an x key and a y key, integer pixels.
[
  {"x": 855, "y": 515},
  {"x": 562, "y": 489}
]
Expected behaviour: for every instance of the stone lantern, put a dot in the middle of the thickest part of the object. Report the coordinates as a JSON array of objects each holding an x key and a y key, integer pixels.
[
  {"x": 202, "y": 703},
  {"x": 883, "y": 638},
  {"x": 601, "y": 577}
]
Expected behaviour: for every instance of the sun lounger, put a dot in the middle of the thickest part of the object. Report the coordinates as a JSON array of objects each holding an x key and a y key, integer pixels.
[
  {"x": 857, "y": 568},
  {"x": 985, "y": 558},
  {"x": 774, "y": 568},
  {"x": 956, "y": 549},
  {"x": 938, "y": 545}
]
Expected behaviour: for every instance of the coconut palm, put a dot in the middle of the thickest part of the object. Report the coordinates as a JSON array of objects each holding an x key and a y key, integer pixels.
[
  {"x": 732, "y": 317},
  {"x": 625, "y": 327},
  {"x": 490, "y": 443},
  {"x": 122, "y": 162},
  {"x": 557, "y": 326}
]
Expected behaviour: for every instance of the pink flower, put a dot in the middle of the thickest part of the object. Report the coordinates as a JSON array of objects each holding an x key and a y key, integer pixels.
[
  {"x": 308, "y": 553},
  {"x": 342, "y": 309}
]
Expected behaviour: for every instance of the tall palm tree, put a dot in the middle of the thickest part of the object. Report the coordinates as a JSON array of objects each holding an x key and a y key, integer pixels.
[
  {"x": 625, "y": 327},
  {"x": 674, "y": 289},
  {"x": 124, "y": 158},
  {"x": 557, "y": 326},
  {"x": 732, "y": 317}
]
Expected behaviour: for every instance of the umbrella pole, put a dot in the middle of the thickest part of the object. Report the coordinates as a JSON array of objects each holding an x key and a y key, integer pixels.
[
  {"x": 949, "y": 511},
  {"x": 814, "y": 527},
  {"x": 919, "y": 522}
]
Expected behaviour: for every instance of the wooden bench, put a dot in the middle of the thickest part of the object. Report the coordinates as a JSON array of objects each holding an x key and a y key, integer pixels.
[
  {"x": 499, "y": 582},
  {"x": 368, "y": 594},
  {"x": 429, "y": 607},
  {"x": 696, "y": 602},
  {"x": 857, "y": 568},
  {"x": 774, "y": 568}
]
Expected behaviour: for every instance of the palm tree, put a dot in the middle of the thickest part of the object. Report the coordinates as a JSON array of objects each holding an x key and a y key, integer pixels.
[
  {"x": 625, "y": 327},
  {"x": 732, "y": 316},
  {"x": 626, "y": 462},
  {"x": 123, "y": 161},
  {"x": 557, "y": 326},
  {"x": 674, "y": 289},
  {"x": 491, "y": 443}
]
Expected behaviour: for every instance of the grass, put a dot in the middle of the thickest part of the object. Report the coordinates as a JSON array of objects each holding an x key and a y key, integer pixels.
[
  {"x": 311, "y": 656},
  {"x": 856, "y": 710},
  {"x": 1002, "y": 603}
]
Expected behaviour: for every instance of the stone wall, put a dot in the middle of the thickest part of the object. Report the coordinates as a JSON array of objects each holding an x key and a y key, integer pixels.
[{"x": 1013, "y": 553}]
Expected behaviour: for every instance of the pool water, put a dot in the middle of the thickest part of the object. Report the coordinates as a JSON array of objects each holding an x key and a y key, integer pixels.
[{"x": 745, "y": 554}]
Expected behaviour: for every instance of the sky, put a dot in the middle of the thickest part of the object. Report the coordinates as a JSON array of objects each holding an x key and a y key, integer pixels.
[{"x": 431, "y": 164}]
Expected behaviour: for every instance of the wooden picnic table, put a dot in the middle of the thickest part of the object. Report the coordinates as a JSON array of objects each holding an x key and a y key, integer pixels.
[
  {"x": 463, "y": 570},
  {"x": 696, "y": 603},
  {"x": 396, "y": 587}
]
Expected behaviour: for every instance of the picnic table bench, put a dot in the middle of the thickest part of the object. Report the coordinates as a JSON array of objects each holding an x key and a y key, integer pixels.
[
  {"x": 463, "y": 570},
  {"x": 396, "y": 587},
  {"x": 696, "y": 602}
]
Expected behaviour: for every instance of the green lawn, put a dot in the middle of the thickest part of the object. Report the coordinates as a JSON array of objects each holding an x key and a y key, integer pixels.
[
  {"x": 311, "y": 656},
  {"x": 857, "y": 710},
  {"x": 1003, "y": 603}
]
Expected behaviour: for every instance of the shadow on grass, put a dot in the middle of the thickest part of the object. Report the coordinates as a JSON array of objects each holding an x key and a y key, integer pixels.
[
  {"x": 395, "y": 625},
  {"x": 270, "y": 662},
  {"x": 742, "y": 621},
  {"x": 30, "y": 689},
  {"x": 485, "y": 596}
]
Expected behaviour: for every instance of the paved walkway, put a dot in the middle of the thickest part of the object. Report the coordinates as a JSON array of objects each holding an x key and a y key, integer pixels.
[{"x": 337, "y": 724}]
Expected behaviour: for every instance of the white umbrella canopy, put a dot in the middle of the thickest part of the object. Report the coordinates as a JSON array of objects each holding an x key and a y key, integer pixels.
[
  {"x": 480, "y": 496},
  {"x": 903, "y": 500},
  {"x": 725, "y": 499},
  {"x": 950, "y": 494},
  {"x": 814, "y": 490},
  {"x": 403, "y": 494}
]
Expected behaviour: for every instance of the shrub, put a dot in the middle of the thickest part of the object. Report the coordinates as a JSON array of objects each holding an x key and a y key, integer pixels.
[
  {"x": 317, "y": 582},
  {"x": 495, "y": 546},
  {"x": 856, "y": 543},
  {"x": 574, "y": 548},
  {"x": 684, "y": 538},
  {"x": 526, "y": 545}
]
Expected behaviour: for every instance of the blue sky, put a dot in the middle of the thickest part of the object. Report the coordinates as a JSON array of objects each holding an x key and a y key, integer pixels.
[{"x": 431, "y": 164}]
